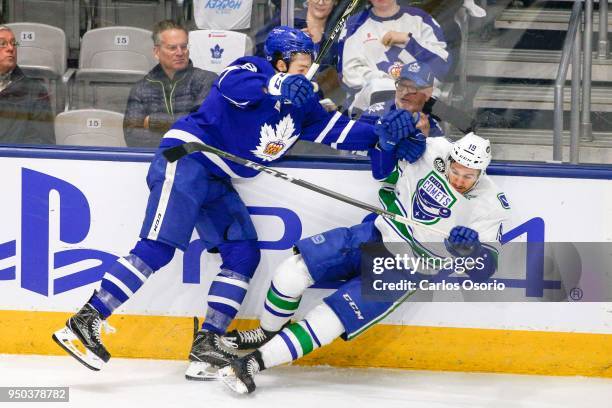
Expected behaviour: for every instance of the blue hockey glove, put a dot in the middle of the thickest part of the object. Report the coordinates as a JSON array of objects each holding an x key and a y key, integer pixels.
[
  {"x": 295, "y": 88},
  {"x": 392, "y": 127},
  {"x": 411, "y": 149},
  {"x": 463, "y": 242}
]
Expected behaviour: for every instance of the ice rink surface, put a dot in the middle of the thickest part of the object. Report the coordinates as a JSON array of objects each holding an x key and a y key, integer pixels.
[{"x": 154, "y": 383}]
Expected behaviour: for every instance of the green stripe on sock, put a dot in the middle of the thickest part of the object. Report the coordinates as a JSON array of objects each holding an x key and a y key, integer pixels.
[
  {"x": 282, "y": 303},
  {"x": 302, "y": 336}
]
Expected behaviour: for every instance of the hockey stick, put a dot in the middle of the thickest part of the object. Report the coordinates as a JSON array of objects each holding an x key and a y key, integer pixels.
[
  {"x": 456, "y": 117},
  {"x": 353, "y": 6},
  {"x": 173, "y": 154}
]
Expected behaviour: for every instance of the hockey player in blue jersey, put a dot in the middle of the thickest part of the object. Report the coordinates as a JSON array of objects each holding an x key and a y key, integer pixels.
[
  {"x": 257, "y": 109},
  {"x": 444, "y": 183}
]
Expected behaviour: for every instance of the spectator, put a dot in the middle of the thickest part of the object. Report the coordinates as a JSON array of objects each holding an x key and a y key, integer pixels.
[
  {"x": 413, "y": 89},
  {"x": 25, "y": 106},
  {"x": 378, "y": 39},
  {"x": 313, "y": 20},
  {"x": 172, "y": 89}
]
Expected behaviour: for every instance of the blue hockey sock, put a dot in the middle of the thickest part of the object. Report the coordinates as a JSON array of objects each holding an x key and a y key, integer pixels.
[
  {"x": 224, "y": 299},
  {"x": 120, "y": 282},
  {"x": 128, "y": 274}
]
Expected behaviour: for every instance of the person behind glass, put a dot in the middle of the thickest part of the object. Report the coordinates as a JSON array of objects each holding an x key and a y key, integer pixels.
[
  {"x": 314, "y": 21},
  {"x": 376, "y": 40},
  {"x": 25, "y": 105},
  {"x": 172, "y": 89},
  {"x": 413, "y": 89}
]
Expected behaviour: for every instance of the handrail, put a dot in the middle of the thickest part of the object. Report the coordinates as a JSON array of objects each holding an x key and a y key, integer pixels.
[
  {"x": 603, "y": 49},
  {"x": 586, "y": 126},
  {"x": 568, "y": 48}
]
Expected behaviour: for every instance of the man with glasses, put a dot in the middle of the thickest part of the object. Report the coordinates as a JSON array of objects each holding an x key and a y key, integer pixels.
[
  {"x": 172, "y": 89},
  {"x": 413, "y": 90},
  {"x": 25, "y": 106}
]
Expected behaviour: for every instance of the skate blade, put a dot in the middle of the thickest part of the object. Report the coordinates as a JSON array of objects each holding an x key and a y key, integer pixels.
[
  {"x": 228, "y": 377},
  {"x": 201, "y": 371},
  {"x": 67, "y": 340}
]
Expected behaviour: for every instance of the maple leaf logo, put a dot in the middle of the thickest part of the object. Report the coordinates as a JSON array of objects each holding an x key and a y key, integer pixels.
[
  {"x": 273, "y": 143},
  {"x": 216, "y": 52}
]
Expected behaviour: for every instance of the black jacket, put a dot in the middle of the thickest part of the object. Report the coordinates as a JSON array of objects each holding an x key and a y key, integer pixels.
[
  {"x": 25, "y": 112},
  {"x": 164, "y": 101}
]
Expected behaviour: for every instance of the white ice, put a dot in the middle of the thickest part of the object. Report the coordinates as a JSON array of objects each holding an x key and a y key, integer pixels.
[{"x": 160, "y": 383}]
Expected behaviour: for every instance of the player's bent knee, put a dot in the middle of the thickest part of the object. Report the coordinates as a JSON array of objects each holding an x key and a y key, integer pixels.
[
  {"x": 324, "y": 323},
  {"x": 153, "y": 253},
  {"x": 292, "y": 277},
  {"x": 240, "y": 256}
]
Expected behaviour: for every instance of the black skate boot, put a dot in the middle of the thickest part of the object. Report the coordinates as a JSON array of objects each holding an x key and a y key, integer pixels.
[
  {"x": 247, "y": 339},
  {"x": 206, "y": 356},
  {"x": 238, "y": 375},
  {"x": 83, "y": 329}
]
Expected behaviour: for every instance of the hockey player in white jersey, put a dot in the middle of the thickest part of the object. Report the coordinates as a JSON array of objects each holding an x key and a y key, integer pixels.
[{"x": 442, "y": 183}]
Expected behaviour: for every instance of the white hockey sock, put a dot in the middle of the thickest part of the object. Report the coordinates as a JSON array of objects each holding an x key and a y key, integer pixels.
[
  {"x": 288, "y": 284},
  {"x": 319, "y": 328}
]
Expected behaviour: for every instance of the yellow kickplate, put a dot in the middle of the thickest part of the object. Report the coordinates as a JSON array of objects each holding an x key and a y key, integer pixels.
[{"x": 409, "y": 347}]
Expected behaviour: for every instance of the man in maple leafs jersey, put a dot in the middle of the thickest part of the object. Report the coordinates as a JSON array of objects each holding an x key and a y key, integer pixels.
[
  {"x": 445, "y": 185},
  {"x": 257, "y": 109}
]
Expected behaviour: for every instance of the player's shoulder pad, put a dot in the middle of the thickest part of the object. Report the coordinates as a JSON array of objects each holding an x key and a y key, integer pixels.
[
  {"x": 438, "y": 146},
  {"x": 492, "y": 195},
  {"x": 252, "y": 64}
]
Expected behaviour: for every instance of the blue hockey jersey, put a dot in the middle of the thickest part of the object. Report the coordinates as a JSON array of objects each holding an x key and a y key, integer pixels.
[{"x": 240, "y": 117}]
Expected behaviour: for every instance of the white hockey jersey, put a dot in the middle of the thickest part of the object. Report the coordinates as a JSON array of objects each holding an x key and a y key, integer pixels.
[{"x": 421, "y": 192}]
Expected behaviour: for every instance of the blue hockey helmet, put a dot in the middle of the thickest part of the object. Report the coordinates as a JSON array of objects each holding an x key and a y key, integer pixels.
[{"x": 286, "y": 41}]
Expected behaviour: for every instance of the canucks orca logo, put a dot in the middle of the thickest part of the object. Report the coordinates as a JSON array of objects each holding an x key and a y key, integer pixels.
[
  {"x": 432, "y": 200},
  {"x": 216, "y": 52}
]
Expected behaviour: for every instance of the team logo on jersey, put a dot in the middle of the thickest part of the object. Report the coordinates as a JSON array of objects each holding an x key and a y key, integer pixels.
[
  {"x": 414, "y": 67},
  {"x": 376, "y": 107},
  {"x": 439, "y": 164},
  {"x": 433, "y": 199},
  {"x": 274, "y": 142},
  {"x": 504, "y": 201},
  {"x": 216, "y": 52}
]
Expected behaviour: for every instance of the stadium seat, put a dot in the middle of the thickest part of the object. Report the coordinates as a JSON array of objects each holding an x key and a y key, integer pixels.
[
  {"x": 133, "y": 13},
  {"x": 42, "y": 55},
  {"x": 63, "y": 14},
  {"x": 112, "y": 59},
  {"x": 213, "y": 50},
  {"x": 89, "y": 127}
]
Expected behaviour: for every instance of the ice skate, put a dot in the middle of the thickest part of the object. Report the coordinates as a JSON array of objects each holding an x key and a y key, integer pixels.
[
  {"x": 238, "y": 375},
  {"x": 206, "y": 356},
  {"x": 81, "y": 338},
  {"x": 247, "y": 339}
]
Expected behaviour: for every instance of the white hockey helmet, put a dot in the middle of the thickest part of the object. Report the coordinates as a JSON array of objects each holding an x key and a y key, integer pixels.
[{"x": 472, "y": 151}]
